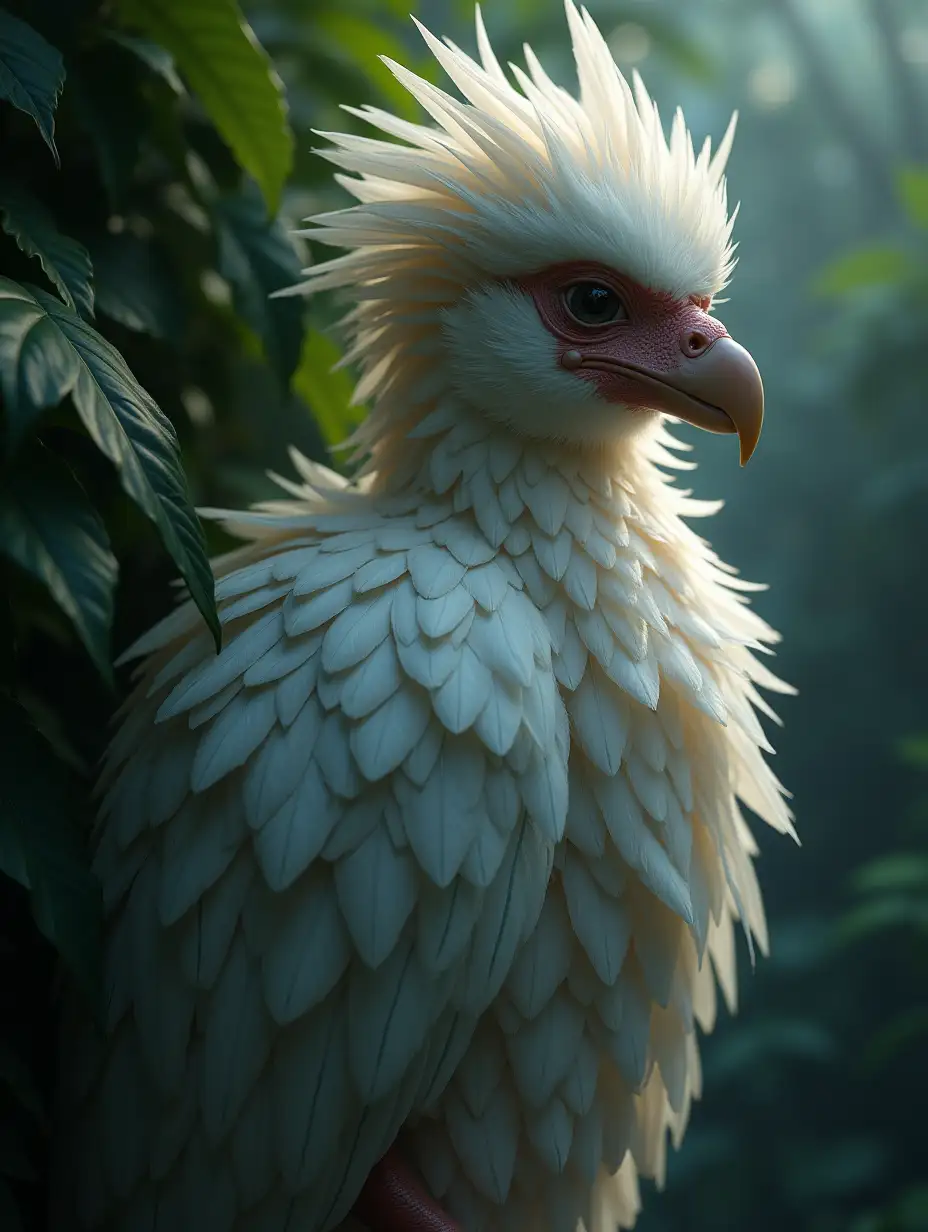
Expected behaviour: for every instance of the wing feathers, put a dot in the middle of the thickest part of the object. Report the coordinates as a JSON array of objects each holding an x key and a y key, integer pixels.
[
  {"x": 381, "y": 741},
  {"x": 217, "y": 673},
  {"x": 236, "y": 1044},
  {"x": 377, "y": 892},
  {"x": 328, "y": 851},
  {"x": 309, "y": 951},
  {"x": 390, "y": 1013},
  {"x": 287, "y": 843}
]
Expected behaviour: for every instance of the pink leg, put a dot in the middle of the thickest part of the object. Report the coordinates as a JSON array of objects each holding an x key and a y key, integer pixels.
[{"x": 393, "y": 1200}]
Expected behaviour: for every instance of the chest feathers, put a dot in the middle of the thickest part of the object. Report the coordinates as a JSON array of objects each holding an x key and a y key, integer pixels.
[
  {"x": 304, "y": 836},
  {"x": 567, "y": 1090}
]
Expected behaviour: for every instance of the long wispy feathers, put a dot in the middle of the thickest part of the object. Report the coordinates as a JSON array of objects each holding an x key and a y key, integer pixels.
[{"x": 509, "y": 181}]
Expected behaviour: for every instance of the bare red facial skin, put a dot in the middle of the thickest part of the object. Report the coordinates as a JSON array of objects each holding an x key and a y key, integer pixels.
[
  {"x": 394, "y": 1200},
  {"x": 658, "y": 333}
]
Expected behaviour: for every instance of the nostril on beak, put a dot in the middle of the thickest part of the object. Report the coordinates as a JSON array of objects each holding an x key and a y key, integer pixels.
[{"x": 695, "y": 342}]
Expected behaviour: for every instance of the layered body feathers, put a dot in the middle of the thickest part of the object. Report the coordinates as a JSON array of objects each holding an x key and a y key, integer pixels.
[{"x": 445, "y": 846}]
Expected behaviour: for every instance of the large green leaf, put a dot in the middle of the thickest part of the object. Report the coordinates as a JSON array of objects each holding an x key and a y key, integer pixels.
[
  {"x": 215, "y": 49},
  {"x": 48, "y": 352},
  {"x": 41, "y": 845},
  {"x": 257, "y": 257},
  {"x": 31, "y": 74},
  {"x": 326, "y": 392},
  {"x": 66, "y": 262},
  {"x": 49, "y": 528}
]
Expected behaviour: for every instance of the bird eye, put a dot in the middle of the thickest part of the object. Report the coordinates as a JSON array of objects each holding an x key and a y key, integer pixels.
[{"x": 592, "y": 303}]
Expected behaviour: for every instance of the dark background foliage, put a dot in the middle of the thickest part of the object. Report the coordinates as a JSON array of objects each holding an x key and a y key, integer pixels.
[{"x": 153, "y": 166}]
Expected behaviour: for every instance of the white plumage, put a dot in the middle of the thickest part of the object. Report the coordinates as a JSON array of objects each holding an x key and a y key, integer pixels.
[{"x": 445, "y": 843}]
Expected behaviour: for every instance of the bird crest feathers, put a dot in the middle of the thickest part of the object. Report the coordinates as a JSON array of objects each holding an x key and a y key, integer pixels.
[{"x": 510, "y": 180}]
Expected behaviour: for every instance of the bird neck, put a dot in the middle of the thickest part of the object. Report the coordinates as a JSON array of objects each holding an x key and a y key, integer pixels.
[{"x": 514, "y": 485}]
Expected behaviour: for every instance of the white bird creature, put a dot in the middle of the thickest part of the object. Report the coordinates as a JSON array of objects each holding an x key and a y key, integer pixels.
[{"x": 439, "y": 859}]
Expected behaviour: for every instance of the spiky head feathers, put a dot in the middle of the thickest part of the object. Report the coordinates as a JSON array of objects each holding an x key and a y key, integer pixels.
[
  {"x": 502, "y": 186},
  {"x": 507, "y": 182}
]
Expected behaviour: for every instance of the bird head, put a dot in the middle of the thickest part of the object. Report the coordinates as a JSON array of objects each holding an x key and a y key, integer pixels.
[{"x": 549, "y": 262}]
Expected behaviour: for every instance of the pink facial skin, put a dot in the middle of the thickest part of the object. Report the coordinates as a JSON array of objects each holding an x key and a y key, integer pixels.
[{"x": 657, "y": 334}]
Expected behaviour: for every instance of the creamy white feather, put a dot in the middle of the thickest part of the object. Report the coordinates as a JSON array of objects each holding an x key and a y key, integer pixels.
[{"x": 446, "y": 842}]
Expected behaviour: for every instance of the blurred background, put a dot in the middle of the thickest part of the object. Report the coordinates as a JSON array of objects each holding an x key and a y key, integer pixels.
[{"x": 813, "y": 1116}]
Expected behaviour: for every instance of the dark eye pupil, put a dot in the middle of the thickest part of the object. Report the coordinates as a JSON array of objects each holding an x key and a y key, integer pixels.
[{"x": 593, "y": 303}]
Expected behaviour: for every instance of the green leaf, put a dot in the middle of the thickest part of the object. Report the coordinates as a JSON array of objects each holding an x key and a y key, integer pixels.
[
  {"x": 38, "y": 826},
  {"x": 52, "y": 724},
  {"x": 31, "y": 74},
  {"x": 49, "y": 528},
  {"x": 66, "y": 262},
  {"x": 216, "y": 50},
  {"x": 912, "y": 183},
  {"x": 876, "y": 265},
  {"x": 257, "y": 257},
  {"x": 899, "y": 871},
  {"x": 48, "y": 352},
  {"x": 156, "y": 58},
  {"x": 36, "y": 364},
  {"x": 136, "y": 285},
  {"x": 361, "y": 43},
  {"x": 327, "y": 393}
]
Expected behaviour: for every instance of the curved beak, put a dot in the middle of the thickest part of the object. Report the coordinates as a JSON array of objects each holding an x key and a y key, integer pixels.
[{"x": 719, "y": 390}]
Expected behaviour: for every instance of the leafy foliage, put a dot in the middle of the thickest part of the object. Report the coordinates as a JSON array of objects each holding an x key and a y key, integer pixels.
[
  {"x": 137, "y": 337},
  {"x": 31, "y": 74},
  {"x": 49, "y": 528},
  {"x": 66, "y": 263},
  {"x": 214, "y": 48},
  {"x": 41, "y": 848},
  {"x": 42, "y": 337},
  {"x": 257, "y": 258}
]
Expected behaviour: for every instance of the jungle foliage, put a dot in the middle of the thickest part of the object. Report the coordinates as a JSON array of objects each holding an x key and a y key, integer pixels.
[
  {"x": 146, "y": 145},
  {"x": 153, "y": 167}
]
